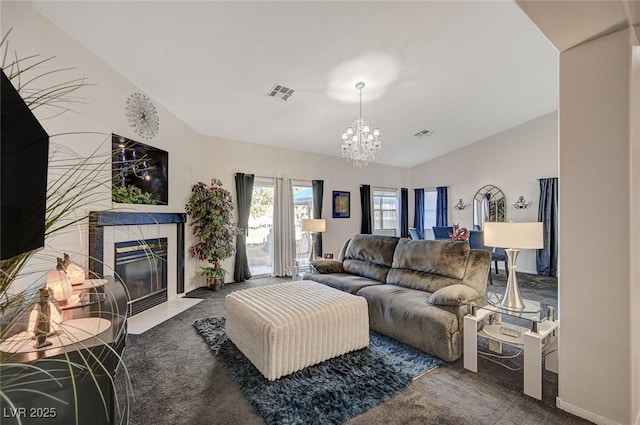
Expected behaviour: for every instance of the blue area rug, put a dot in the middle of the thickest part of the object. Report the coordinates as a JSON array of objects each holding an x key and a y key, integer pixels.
[{"x": 328, "y": 393}]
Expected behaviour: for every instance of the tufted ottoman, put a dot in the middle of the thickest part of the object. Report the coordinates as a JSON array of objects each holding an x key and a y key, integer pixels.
[{"x": 286, "y": 327}]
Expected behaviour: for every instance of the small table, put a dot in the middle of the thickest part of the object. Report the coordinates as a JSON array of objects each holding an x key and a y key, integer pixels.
[{"x": 538, "y": 340}]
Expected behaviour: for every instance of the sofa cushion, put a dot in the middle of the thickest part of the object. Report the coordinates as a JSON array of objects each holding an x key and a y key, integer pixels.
[
  {"x": 342, "y": 281},
  {"x": 327, "y": 266},
  {"x": 445, "y": 258},
  {"x": 454, "y": 295},
  {"x": 370, "y": 256},
  {"x": 428, "y": 265},
  {"x": 406, "y": 315}
]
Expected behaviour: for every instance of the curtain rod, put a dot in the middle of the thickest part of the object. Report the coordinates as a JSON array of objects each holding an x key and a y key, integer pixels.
[
  {"x": 271, "y": 178},
  {"x": 543, "y": 178},
  {"x": 385, "y": 188}
]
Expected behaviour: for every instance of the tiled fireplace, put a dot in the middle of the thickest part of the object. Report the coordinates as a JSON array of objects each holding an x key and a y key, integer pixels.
[{"x": 144, "y": 250}]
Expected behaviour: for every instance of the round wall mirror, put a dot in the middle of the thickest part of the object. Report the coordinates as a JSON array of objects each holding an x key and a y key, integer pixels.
[{"x": 489, "y": 204}]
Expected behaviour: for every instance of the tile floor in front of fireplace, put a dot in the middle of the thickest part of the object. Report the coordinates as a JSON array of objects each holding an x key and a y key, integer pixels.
[{"x": 146, "y": 320}]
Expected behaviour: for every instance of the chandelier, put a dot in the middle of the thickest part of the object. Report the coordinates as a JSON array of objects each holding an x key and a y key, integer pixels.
[{"x": 359, "y": 143}]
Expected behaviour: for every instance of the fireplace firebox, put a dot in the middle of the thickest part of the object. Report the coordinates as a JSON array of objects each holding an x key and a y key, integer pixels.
[{"x": 142, "y": 267}]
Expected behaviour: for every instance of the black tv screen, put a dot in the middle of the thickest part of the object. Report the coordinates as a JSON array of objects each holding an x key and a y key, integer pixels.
[
  {"x": 140, "y": 172},
  {"x": 24, "y": 152}
]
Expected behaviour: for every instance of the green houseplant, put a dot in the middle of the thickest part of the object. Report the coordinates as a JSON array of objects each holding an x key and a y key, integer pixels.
[{"x": 210, "y": 208}]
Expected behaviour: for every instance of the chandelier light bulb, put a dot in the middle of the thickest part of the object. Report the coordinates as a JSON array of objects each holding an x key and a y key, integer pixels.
[
  {"x": 376, "y": 132},
  {"x": 349, "y": 131}
]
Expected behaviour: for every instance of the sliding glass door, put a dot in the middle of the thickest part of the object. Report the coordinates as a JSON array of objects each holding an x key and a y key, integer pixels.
[{"x": 260, "y": 237}]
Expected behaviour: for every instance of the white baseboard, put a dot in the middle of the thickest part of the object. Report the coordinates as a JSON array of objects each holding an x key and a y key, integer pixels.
[{"x": 585, "y": 414}]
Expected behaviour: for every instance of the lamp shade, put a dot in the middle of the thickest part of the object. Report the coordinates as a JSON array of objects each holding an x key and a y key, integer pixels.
[
  {"x": 513, "y": 235},
  {"x": 314, "y": 225}
]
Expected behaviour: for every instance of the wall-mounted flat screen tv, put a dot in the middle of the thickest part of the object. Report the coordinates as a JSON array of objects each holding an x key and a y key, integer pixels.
[
  {"x": 140, "y": 173},
  {"x": 24, "y": 157}
]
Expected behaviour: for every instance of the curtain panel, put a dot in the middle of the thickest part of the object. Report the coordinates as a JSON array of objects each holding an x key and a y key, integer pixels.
[
  {"x": 317, "y": 188},
  {"x": 442, "y": 206},
  {"x": 284, "y": 233},
  {"x": 365, "y": 203},
  {"x": 404, "y": 212},
  {"x": 547, "y": 257},
  {"x": 418, "y": 214},
  {"x": 244, "y": 191}
]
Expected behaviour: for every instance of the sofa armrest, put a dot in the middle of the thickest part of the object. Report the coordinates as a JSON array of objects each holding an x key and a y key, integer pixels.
[
  {"x": 454, "y": 295},
  {"x": 326, "y": 266}
]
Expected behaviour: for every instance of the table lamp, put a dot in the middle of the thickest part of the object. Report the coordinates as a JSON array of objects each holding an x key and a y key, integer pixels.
[
  {"x": 313, "y": 226},
  {"x": 513, "y": 237}
]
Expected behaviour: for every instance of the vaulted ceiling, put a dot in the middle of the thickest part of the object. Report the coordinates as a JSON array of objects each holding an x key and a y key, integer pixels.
[{"x": 463, "y": 69}]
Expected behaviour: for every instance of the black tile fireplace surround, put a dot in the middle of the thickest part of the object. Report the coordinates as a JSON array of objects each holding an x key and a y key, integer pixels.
[{"x": 98, "y": 220}]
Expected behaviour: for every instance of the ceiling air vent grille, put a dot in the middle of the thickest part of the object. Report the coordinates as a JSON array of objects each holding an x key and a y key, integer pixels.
[
  {"x": 424, "y": 133},
  {"x": 280, "y": 92}
]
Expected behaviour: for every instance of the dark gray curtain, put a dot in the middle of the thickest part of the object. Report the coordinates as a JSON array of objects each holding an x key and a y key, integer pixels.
[
  {"x": 244, "y": 191},
  {"x": 442, "y": 208},
  {"x": 404, "y": 212},
  {"x": 365, "y": 203},
  {"x": 547, "y": 257},
  {"x": 418, "y": 215},
  {"x": 317, "y": 187}
]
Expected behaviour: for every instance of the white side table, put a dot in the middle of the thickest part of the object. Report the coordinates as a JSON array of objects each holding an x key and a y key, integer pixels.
[{"x": 541, "y": 339}]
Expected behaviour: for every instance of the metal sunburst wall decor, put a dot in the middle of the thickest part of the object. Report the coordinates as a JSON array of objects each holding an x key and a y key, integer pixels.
[{"x": 142, "y": 116}]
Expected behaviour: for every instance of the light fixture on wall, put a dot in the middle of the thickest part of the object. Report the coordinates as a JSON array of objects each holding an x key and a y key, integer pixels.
[
  {"x": 359, "y": 143},
  {"x": 521, "y": 203},
  {"x": 460, "y": 205}
]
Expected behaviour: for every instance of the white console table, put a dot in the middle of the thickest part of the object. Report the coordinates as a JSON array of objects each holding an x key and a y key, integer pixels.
[{"x": 538, "y": 341}]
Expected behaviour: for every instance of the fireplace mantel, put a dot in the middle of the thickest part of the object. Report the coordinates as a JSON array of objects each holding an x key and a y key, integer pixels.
[{"x": 98, "y": 220}]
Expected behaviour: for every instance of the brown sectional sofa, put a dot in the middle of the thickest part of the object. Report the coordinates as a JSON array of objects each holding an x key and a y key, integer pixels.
[{"x": 417, "y": 291}]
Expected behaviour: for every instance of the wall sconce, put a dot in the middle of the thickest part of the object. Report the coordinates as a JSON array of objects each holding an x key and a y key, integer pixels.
[
  {"x": 460, "y": 205},
  {"x": 521, "y": 203}
]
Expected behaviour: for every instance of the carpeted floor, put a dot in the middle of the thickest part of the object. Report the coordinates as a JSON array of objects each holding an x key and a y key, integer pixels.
[
  {"x": 329, "y": 392},
  {"x": 177, "y": 381}
]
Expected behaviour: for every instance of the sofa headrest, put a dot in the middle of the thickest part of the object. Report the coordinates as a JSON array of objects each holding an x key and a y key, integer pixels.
[
  {"x": 439, "y": 257},
  {"x": 372, "y": 248}
]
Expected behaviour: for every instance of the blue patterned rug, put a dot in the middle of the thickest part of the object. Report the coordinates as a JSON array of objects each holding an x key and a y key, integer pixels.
[{"x": 328, "y": 393}]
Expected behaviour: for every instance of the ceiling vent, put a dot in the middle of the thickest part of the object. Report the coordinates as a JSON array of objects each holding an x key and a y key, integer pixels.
[
  {"x": 424, "y": 133},
  {"x": 280, "y": 92}
]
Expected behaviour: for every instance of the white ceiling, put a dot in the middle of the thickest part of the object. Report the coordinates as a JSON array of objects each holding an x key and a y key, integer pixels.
[{"x": 466, "y": 70}]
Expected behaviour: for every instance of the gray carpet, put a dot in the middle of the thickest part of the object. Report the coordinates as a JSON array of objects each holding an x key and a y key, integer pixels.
[
  {"x": 177, "y": 381},
  {"x": 329, "y": 392}
]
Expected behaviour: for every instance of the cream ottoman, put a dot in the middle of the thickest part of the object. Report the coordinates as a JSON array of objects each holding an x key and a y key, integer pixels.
[{"x": 286, "y": 327}]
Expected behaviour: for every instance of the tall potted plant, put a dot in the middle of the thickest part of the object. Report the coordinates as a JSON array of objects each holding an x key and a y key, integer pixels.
[{"x": 210, "y": 209}]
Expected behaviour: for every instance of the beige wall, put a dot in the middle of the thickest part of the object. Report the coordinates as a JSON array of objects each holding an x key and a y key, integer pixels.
[
  {"x": 102, "y": 111},
  {"x": 192, "y": 157},
  {"x": 635, "y": 234},
  {"x": 595, "y": 262},
  {"x": 222, "y": 158},
  {"x": 512, "y": 160}
]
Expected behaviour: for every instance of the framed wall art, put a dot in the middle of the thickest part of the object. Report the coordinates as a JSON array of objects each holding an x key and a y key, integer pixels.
[
  {"x": 341, "y": 204},
  {"x": 140, "y": 173}
]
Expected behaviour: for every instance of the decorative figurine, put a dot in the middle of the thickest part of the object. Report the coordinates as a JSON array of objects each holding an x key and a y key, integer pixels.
[{"x": 43, "y": 324}]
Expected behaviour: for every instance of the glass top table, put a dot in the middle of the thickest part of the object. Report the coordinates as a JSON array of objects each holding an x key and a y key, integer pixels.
[
  {"x": 535, "y": 333},
  {"x": 533, "y": 311}
]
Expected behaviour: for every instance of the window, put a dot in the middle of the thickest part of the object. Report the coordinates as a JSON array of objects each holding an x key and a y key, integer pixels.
[
  {"x": 430, "y": 207},
  {"x": 385, "y": 216}
]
